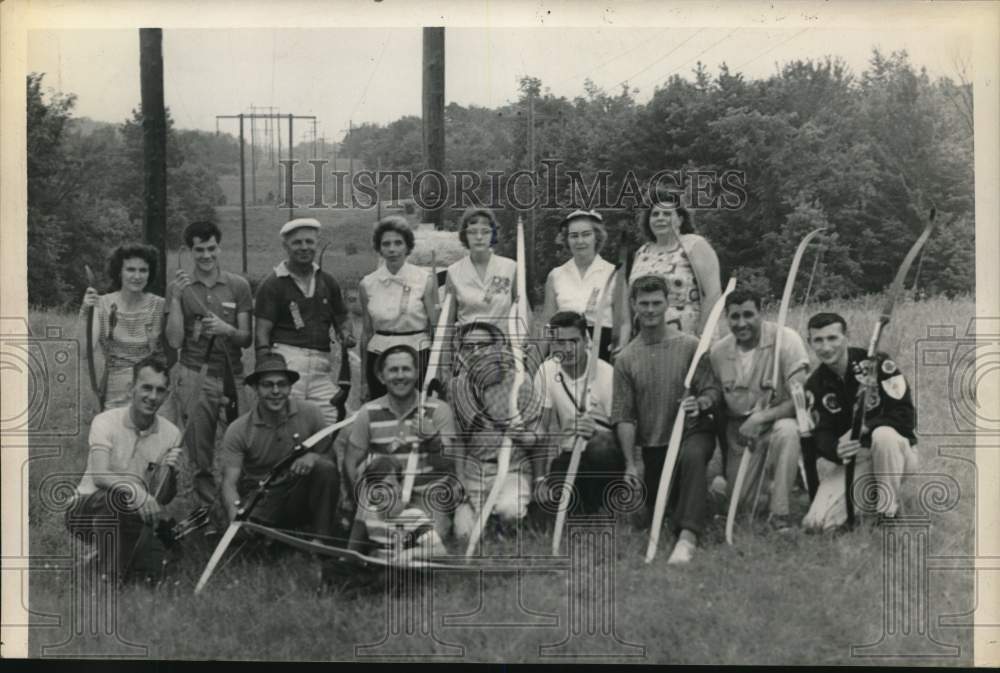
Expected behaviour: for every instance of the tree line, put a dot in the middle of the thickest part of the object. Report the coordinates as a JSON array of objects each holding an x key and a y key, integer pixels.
[{"x": 865, "y": 154}]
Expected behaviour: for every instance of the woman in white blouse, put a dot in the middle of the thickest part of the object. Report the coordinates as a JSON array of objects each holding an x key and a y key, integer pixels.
[
  {"x": 484, "y": 284},
  {"x": 577, "y": 285},
  {"x": 398, "y": 301}
]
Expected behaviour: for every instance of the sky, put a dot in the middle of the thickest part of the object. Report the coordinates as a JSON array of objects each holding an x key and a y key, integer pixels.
[{"x": 374, "y": 74}]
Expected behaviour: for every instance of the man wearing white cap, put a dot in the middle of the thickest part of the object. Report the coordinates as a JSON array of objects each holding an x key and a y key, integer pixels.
[{"x": 296, "y": 305}]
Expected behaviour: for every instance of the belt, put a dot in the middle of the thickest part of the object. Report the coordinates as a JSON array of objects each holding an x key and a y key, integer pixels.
[{"x": 381, "y": 332}]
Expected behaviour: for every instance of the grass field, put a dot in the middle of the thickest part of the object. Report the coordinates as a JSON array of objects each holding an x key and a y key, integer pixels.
[{"x": 770, "y": 599}]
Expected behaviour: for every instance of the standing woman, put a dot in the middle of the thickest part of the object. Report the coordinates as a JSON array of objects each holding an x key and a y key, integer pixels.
[
  {"x": 683, "y": 258},
  {"x": 483, "y": 283},
  {"x": 128, "y": 320},
  {"x": 398, "y": 302},
  {"x": 577, "y": 285}
]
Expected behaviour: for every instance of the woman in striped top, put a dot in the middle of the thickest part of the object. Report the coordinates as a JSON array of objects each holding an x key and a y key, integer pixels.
[{"x": 128, "y": 320}]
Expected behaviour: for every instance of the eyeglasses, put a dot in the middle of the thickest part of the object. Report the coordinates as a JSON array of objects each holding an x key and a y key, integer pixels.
[{"x": 579, "y": 235}]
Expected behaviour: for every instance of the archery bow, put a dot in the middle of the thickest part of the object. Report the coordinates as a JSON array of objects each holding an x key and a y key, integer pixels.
[
  {"x": 430, "y": 376},
  {"x": 768, "y": 399},
  {"x": 858, "y": 427},
  {"x": 677, "y": 432},
  {"x": 243, "y": 513},
  {"x": 518, "y": 329},
  {"x": 579, "y": 444},
  {"x": 91, "y": 364}
]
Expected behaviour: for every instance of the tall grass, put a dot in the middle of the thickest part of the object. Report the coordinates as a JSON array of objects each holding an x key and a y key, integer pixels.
[{"x": 770, "y": 599}]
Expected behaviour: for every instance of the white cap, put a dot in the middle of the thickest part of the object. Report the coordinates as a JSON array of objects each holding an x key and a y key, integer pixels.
[{"x": 299, "y": 223}]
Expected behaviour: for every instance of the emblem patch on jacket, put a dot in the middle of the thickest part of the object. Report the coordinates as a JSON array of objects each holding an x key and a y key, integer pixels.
[
  {"x": 831, "y": 403},
  {"x": 894, "y": 386}
]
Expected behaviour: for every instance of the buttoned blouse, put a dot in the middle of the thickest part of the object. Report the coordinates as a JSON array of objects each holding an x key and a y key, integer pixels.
[
  {"x": 483, "y": 299},
  {"x": 582, "y": 292},
  {"x": 396, "y": 304}
]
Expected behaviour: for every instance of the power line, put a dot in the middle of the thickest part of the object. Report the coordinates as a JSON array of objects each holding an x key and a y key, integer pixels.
[
  {"x": 770, "y": 49},
  {"x": 364, "y": 93},
  {"x": 613, "y": 58},
  {"x": 702, "y": 52},
  {"x": 625, "y": 81}
]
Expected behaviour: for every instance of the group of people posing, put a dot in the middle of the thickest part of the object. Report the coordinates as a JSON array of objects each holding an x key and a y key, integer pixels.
[{"x": 425, "y": 462}]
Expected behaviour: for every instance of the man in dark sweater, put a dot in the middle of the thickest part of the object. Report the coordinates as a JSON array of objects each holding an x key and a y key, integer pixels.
[
  {"x": 884, "y": 452},
  {"x": 296, "y": 306},
  {"x": 648, "y": 390}
]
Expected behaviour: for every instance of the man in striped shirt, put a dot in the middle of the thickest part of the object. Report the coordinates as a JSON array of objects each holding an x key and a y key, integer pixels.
[
  {"x": 397, "y": 424},
  {"x": 648, "y": 390}
]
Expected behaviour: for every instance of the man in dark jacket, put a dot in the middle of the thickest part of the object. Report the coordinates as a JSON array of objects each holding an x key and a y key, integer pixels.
[{"x": 884, "y": 452}]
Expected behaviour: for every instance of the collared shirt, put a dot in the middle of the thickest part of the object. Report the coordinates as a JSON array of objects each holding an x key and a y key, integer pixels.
[
  {"x": 396, "y": 304},
  {"x": 227, "y": 297},
  {"x": 255, "y": 446},
  {"x": 830, "y": 400},
  {"x": 136, "y": 334},
  {"x": 649, "y": 386},
  {"x": 130, "y": 450},
  {"x": 487, "y": 299},
  {"x": 379, "y": 429},
  {"x": 581, "y": 293},
  {"x": 743, "y": 387},
  {"x": 301, "y": 317}
]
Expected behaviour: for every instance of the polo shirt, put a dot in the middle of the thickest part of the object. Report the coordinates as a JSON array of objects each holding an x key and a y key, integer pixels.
[
  {"x": 300, "y": 316},
  {"x": 649, "y": 386},
  {"x": 255, "y": 446},
  {"x": 831, "y": 401},
  {"x": 378, "y": 429},
  {"x": 227, "y": 297},
  {"x": 581, "y": 293},
  {"x": 743, "y": 389},
  {"x": 487, "y": 299},
  {"x": 130, "y": 450}
]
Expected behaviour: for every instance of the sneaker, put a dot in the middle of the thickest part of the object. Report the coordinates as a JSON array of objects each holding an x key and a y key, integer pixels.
[
  {"x": 683, "y": 551},
  {"x": 780, "y": 523}
]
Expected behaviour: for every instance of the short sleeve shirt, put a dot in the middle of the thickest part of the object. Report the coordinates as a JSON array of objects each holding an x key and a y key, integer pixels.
[
  {"x": 255, "y": 446},
  {"x": 562, "y": 394},
  {"x": 377, "y": 429},
  {"x": 581, "y": 293},
  {"x": 396, "y": 304},
  {"x": 300, "y": 317},
  {"x": 130, "y": 450},
  {"x": 227, "y": 297},
  {"x": 743, "y": 388},
  {"x": 483, "y": 299}
]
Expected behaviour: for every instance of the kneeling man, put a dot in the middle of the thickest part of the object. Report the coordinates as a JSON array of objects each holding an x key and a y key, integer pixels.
[
  {"x": 306, "y": 495},
  {"x": 884, "y": 453}
]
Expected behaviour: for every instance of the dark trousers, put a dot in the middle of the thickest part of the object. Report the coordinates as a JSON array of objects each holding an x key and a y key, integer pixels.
[
  {"x": 375, "y": 387},
  {"x": 125, "y": 544},
  {"x": 600, "y": 464},
  {"x": 303, "y": 502},
  {"x": 687, "y": 505}
]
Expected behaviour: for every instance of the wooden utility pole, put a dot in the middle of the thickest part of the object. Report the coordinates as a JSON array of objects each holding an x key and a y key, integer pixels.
[
  {"x": 243, "y": 194},
  {"x": 154, "y": 144},
  {"x": 433, "y": 111},
  {"x": 530, "y": 251},
  {"x": 253, "y": 156}
]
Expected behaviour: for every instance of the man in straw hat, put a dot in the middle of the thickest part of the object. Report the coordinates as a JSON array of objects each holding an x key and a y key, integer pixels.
[
  {"x": 256, "y": 441},
  {"x": 296, "y": 306}
]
